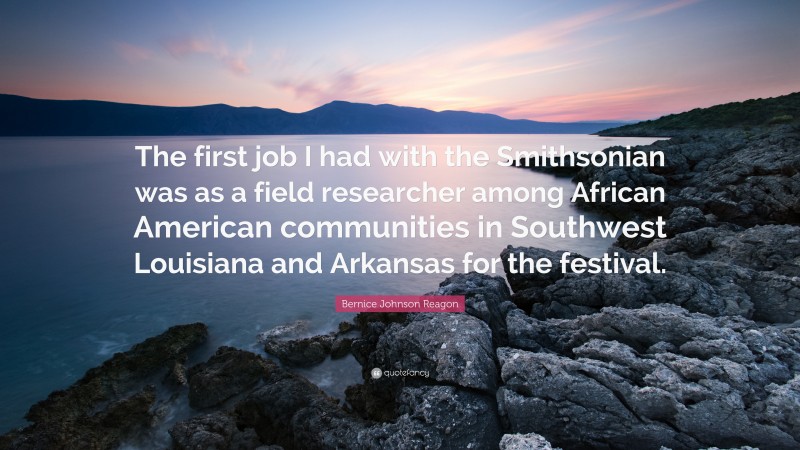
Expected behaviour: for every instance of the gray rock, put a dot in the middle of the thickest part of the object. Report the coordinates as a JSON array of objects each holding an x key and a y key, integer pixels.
[
  {"x": 719, "y": 271},
  {"x": 681, "y": 220},
  {"x": 341, "y": 347},
  {"x": 226, "y": 374},
  {"x": 485, "y": 297},
  {"x": 527, "y": 280},
  {"x": 305, "y": 352},
  {"x": 699, "y": 286},
  {"x": 649, "y": 377},
  {"x": 216, "y": 431},
  {"x": 437, "y": 417},
  {"x": 291, "y": 412},
  {"x": 287, "y": 331},
  {"x": 743, "y": 177},
  {"x": 453, "y": 348},
  {"x": 684, "y": 219},
  {"x": 762, "y": 263},
  {"x": 112, "y": 402},
  {"x": 530, "y": 441}
]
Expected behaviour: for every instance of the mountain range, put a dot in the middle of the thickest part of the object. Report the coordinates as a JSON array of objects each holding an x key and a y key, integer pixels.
[{"x": 24, "y": 116}]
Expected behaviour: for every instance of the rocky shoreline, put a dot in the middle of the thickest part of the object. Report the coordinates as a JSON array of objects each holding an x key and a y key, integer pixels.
[{"x": 704, "y": 355}]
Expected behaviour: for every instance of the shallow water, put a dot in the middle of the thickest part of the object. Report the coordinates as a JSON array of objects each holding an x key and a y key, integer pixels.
[{"x": 70, "y": 298}]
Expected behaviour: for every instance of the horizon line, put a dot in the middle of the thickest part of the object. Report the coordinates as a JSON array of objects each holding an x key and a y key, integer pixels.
[{"x": 324, "y": 104}]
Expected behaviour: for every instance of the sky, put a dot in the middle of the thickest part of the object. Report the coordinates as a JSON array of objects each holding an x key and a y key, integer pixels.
[{"x": 539, "y": 60}]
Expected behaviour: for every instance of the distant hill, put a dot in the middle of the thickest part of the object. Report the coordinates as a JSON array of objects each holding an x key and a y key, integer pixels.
[
  {"x": 747, "y": 114},
  {"x": 23, "y": 116}
]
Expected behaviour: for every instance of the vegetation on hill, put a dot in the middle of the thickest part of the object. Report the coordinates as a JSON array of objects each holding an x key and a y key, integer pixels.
[{"x": 747, "y": 114}]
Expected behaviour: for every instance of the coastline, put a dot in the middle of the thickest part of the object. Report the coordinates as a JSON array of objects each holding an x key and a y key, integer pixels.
[{"x": 707, "y": 354}]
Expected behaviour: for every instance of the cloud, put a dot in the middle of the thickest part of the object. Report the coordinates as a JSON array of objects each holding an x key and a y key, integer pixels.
[
  {"x": 661, "y": 9},
  {"x": 450, "y": 77},
  {"x": 132, "y": 53},
  {"x": 342, "y": 85},
  {"x": 183, "y": 47},
  {"x": 486, "y": 76},
  {"x": 624, "y": 104}
]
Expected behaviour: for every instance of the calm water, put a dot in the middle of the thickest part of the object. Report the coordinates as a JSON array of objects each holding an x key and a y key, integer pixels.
[{"x": 70, "y": 298}]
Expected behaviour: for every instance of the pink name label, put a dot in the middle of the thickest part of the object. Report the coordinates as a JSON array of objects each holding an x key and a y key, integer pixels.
[{"x": 399, "y": 303}]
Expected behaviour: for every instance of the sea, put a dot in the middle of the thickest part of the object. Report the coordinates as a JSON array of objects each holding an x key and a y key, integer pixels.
[{"x": 70, "y": 296}]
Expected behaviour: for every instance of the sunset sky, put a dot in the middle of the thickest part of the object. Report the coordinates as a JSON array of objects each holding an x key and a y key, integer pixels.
[{"x": 541, "y": 60}]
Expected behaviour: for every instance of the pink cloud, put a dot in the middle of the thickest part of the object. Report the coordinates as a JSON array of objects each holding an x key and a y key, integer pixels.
[
  {"x": 641, "y": 102},
  {"x": 342, "y": 85},
  {"x": 661, "y": 9},
  {"x": 132, "y": 53},
  {"x": 183, "y": 47}
]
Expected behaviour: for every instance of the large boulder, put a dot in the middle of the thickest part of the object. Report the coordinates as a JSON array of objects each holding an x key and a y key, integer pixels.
[
  {"x": 450, "y": 348},
  {"x": 486, "y": 298}
]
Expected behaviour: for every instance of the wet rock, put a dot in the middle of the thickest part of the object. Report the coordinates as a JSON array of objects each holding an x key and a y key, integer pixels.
[
  {"x": 287, "y": 331},
  {"x": 305, "y": 352},
  {"x": 227, "y": 373},
  {"x": 111, "y": 402},
  {"x": 291, "y": 412},
  {"x": 176, "y": 377},
  {"x": 341, "y": 347},
  {"x": 216, "y": 431},
  {"x": 283, "y": 343},
  {"x": 346, "y": 327},
  {"x": 649, "y": 377}
]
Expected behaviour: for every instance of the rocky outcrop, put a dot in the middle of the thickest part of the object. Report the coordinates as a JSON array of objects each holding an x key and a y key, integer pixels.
[
  {"x": 291, "y": 412},
  {"x": 111, "y": 402},
  {"x": 283, "y": 343},
  {"x": 742, "y": 177},
  {"x": 215, "y": 431},
  {"x": 226, "y": 374},
  {"x": 717, "y": 271},
  {"x": 644, "y": 377},
  {"x": 649, "y": 377}
]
